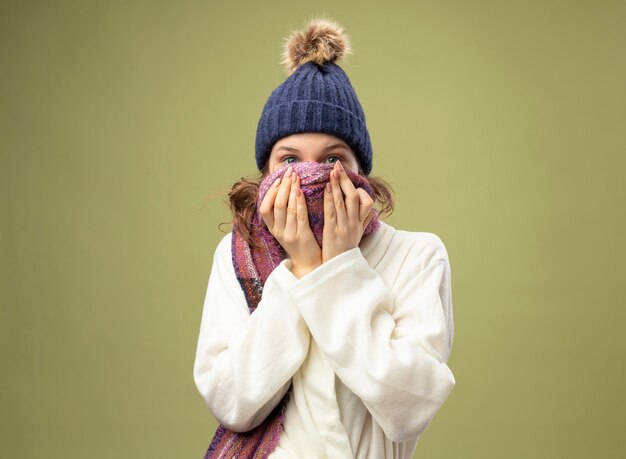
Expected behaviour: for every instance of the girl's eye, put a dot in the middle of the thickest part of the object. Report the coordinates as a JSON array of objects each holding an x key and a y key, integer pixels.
[
  {"x": 332, "y": 159},
  {"x": 289, "y": 160}
]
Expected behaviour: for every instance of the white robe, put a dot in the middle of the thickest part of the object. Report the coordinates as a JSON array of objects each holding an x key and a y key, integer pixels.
[{"x": 364, "y": 339}]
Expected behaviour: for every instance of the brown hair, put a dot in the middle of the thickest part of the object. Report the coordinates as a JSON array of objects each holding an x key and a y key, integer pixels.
[{"x": 243, "y": 195}]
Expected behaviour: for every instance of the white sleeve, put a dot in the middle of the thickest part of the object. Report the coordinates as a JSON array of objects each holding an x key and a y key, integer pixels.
[
  {"x": 388, "y": 345},
  {"x": 244, "y": 362}
]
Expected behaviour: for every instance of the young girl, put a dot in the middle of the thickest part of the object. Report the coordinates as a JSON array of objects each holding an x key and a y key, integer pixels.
[{"x": 325, "y": 332}]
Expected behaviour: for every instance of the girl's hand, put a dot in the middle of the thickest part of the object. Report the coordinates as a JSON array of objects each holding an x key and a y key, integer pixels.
[
  {"x": 344, "y": 220},
  {"x": 285, "y": 213}
]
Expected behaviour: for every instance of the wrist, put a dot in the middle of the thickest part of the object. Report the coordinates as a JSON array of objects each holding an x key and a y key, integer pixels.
[
  {"x": 335, "y": 251},
  {"x": 300, "y": 270}
]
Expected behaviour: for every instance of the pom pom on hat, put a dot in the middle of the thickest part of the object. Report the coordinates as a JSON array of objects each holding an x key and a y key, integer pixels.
[{"x": 321, "y": 41}]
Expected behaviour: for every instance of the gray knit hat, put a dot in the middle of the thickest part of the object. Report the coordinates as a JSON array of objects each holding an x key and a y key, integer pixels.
[{"x": 316, "y": 97}]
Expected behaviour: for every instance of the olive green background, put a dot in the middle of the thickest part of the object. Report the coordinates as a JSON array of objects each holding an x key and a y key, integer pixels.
[{"x": 500, "y": 124}]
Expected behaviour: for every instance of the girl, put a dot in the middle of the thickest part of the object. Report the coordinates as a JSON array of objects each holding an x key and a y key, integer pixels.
[{"x": 325, "y": 332}]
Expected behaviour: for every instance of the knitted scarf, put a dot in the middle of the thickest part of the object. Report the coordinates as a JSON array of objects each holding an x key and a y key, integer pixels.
[{"x": 253, "y": 264}]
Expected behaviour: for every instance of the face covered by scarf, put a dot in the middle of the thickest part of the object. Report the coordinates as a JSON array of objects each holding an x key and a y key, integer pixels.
[
  {"x": 253, "y": 264},
  {"x": 313, "y": 180}
]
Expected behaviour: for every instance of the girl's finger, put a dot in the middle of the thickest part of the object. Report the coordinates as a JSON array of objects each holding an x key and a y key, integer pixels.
[
  {"x": 330, "y": 216},
  {"x": 365, "y": 203},
  {"x": 346, "y": 183},
  {"x": 302, "y": 213},
  {"x": 291, "y": 223},
  {"x": 266, "y": 209},
  {"x": 368, "y": 219},
  {"x": 280, "y": 204},
  {"x": 351, "y": 195},
  {"x": 338, "y": 202}
]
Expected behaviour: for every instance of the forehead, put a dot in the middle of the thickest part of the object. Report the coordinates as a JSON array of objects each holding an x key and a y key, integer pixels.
[{"x": 309, "y": 140}]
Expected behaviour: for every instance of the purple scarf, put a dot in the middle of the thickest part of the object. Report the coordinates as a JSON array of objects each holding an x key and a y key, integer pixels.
[{"x": 253, "y": 265}]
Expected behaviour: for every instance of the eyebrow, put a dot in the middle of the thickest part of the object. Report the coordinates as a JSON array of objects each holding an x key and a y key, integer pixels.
[{"x": 295, "y": 150}]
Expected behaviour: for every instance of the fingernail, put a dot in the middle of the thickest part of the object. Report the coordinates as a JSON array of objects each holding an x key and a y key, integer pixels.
[
  {"x": 328, "y": 187},
  {"x": 276, "y": 182},
  {"x": 298, "y": 192},
  {"x": 289, "y": 170},
  {"x": 340, "y": 165}
]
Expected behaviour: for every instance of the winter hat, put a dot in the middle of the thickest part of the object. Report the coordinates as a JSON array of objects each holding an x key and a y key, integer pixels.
[{"x": 317, "y": 96}]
